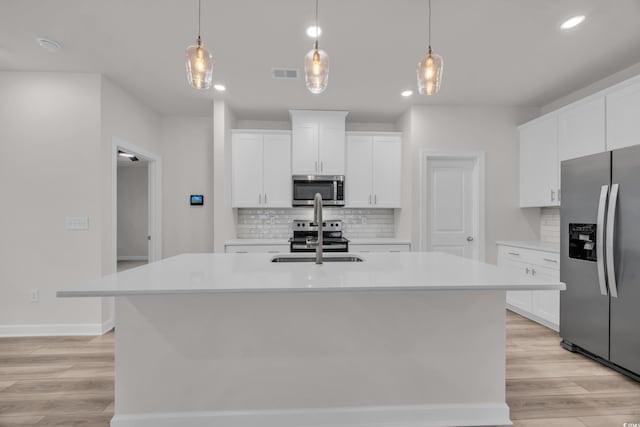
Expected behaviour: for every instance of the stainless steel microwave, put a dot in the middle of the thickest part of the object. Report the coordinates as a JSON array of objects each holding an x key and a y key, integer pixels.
[{"x": 305, "y": 187}]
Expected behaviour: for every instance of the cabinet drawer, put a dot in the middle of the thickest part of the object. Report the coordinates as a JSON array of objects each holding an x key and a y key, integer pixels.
[
  {"x": 379, "y": 248},
  {"x": 541, "y": 258},
  {"x": 243, "y": 249}
]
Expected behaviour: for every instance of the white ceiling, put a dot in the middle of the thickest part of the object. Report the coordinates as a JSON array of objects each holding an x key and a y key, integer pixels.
[{"x": 498, "y": 52}]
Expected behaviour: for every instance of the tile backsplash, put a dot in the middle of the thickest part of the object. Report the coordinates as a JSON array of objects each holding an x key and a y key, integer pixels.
[
  {"x": 276, "y": 223},
  {"x": 550, "y": 225}
]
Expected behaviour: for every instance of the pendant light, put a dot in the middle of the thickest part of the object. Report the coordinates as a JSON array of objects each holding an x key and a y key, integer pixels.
[
  {"x": 430, "y": 69},
  {"x": 316, "y": 66},
  {"x": 199, "y": 63}
]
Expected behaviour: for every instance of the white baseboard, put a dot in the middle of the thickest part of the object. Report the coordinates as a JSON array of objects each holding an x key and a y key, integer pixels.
[
  {"x": 531, "y": 316},
  {"x": 133, "y": 258},
  {"x": 50, "y": 330},
  {"x": 488, "y": 414}
]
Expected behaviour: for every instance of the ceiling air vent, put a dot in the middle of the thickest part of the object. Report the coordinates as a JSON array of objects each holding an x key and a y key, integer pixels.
[{"x": 285, "y": 73}]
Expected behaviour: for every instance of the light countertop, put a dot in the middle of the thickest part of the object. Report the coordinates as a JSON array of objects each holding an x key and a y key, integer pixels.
[
  {"x": 206, "y": 273},
  {"x": 532, "y": 244}
]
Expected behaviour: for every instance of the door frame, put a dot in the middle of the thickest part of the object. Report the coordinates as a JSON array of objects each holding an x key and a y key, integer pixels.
[
  {"x": 154, "y": 198},
  {"x": 478, "y": 157}
]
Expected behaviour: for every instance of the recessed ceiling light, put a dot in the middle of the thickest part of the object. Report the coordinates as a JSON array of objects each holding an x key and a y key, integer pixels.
[
  {"x": 123, "y": 154},
  {"x": 311, "y": 31},
  {"x": 220, "y": 87},
  {"x": 572, "y": 22},
  {"x": 49, "y": 45},
  {"x": 407, "y": 93}
]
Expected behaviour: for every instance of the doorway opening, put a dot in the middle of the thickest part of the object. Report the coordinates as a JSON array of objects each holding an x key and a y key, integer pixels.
[
  {"x": 136, "y": 205},
  {"x": 452, "y": 209}
]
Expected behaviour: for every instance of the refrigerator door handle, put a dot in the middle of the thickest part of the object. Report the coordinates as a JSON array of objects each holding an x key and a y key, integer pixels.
[
  {"x": 611, "y": 226},
  {"x": 604, "y": 191}
]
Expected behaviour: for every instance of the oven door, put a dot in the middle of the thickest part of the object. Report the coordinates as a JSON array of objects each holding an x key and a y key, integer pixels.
[{"x": 305, "y": 188}]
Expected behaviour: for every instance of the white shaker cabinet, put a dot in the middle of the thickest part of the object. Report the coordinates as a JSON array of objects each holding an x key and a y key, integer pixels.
[
  {"x": 623, "y": 116},
  {"x": 261, "y": 169},
  {"x": 373, "y": 178},
  {"x": 582, "y": 129},
  {"x": 540, "y": 306},
  {"x": 318, "y": 142},
  {"x": 539, "y": 165}
]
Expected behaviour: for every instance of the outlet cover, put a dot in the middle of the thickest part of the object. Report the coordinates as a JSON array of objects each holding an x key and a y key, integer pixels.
[{"x": 76, "y": 223}]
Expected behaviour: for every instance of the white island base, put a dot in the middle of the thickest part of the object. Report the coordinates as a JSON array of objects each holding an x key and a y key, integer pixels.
[{"x": 341, "y": 358}]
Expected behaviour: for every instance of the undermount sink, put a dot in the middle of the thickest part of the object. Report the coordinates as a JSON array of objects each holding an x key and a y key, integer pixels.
[{"x": 347, "y": 258}]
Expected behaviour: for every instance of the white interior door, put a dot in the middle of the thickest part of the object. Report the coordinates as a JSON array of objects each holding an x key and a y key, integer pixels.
[{"x": 450, "y": 207}]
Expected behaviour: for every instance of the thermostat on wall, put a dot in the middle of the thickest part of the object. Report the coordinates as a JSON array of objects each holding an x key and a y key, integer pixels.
[{"x": 197, "y": 200}]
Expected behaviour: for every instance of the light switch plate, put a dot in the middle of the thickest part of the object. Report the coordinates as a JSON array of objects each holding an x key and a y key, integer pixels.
[{"x": 76, "y": 223}]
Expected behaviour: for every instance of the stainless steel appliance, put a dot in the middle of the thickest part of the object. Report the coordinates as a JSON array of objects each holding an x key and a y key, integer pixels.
[
  {"x": 305, "y": 234},
  {"x": 600, "y": 258},
  {"x": 330, "y": 187}
]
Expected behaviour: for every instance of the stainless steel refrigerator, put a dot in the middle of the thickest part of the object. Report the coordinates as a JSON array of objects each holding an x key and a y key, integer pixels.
[{"x": 600, "y": 258}]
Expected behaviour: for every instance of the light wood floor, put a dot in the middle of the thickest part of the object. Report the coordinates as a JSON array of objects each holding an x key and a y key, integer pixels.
[{"x": 69, "y": 381}]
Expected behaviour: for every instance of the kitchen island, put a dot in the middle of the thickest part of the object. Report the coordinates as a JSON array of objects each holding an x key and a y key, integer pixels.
[{"x": 235, "y": 340}]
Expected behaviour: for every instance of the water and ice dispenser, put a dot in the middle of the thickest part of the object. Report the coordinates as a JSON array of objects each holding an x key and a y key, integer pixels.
[{"x": 582, "y": 242}]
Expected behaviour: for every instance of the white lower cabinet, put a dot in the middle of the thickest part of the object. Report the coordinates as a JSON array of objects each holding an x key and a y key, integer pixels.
[
  {"x": 540, "y": 306},
  {"x": 381, "y": 247}
]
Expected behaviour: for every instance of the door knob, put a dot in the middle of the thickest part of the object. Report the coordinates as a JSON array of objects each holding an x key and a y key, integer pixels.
[{"x": 469, "y": 239}]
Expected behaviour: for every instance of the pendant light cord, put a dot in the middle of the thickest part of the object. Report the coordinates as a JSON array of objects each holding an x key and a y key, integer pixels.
[
  {"x": 199, "y": 9},
  {"x": 317, "y": 31},
  {"x": 429, "y": 24}
]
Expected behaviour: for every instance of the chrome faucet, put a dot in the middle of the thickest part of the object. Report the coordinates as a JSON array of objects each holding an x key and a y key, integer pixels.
[{"x": 317, "y": 218}]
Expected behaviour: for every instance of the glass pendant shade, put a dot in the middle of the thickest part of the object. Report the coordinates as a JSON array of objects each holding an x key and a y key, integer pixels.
[
  {"x": 199, "y": 66},
  {"x": 316, "y": 70},
  {"x": 430, "y": 73}
]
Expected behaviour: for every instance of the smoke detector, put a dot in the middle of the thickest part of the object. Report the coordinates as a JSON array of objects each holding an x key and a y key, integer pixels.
[{"x": 49, "y": 45}]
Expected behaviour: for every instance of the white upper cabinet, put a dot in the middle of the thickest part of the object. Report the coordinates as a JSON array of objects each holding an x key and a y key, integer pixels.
[
  {"x": 582, "y": 129},
  {"x": 318, "y": 142},
  {"x": 539, "y": 165},
  {"x": 260, "y": 169},
  {"x": 623, "y": 117},
  {"x": 373, "y": 170}
]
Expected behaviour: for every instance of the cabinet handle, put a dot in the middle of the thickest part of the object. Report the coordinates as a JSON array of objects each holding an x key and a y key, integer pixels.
[
  {"x": 321, "y": 165},
  {"x": 533, "y": 272},
  {"x": 316, "y": 166},
  {"x": 553, "y": 195},
  {"x": 527, "y": 270},
  {"x": 242, "y": 252},
  {"x": 550, "y": 260},
  {"x": 395, "y": 250},
  {"x": 369, "y": 198},
  {"x": 514, "y": 253},
  {"x": 265, "y": 198},
  {"x": 273, "y": 252},
  {"x": 259, "y": 199},
  {"x": 375, "y": 199}
]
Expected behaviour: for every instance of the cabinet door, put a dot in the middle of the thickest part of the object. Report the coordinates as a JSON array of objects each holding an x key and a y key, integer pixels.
[
  {"x": 539, "y": 165},
  {"x": 386, "y": 171},
  {"x": 546, "y": 304},
  {"x": 518, "y": 299},
  {"x": 246, "y": 166},
  {"x": 581, "y": 130},
  {"x": 277, "y": 170},
  {"x": 305, "y": 150},
  {"x": 623, "y": 117},
  {"x": 358, "y": 191},
  {"x": 331, "y": 147}
]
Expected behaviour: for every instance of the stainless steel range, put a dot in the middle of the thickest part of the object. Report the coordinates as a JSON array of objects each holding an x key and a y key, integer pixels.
[{"x": 307, "y": 231}]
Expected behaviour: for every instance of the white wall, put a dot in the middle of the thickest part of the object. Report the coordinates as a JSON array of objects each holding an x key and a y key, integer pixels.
[
  {"x": 49, "y": 169},
  {"x": 133, "y": 210},
  {"x": 490, "y": 129},
  {"x": 187, "y": 152},
  {"x": 224, "y": 217}
]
